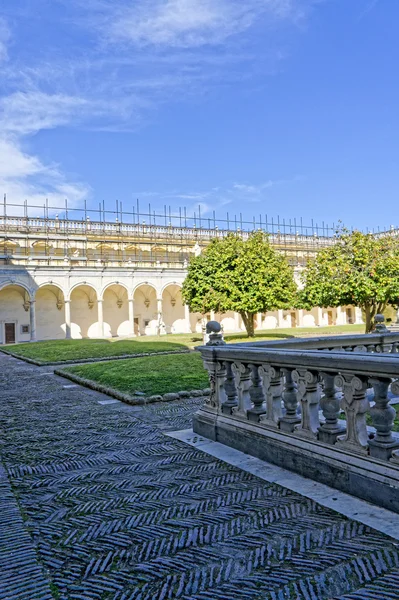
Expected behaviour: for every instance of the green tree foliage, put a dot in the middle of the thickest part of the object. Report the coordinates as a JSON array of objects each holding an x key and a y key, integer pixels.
[
  {"x": 243, "y": 276},
  {"x": 359, "y": 269}
]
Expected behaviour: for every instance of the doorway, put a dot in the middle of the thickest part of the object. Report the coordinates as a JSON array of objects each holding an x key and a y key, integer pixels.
[
  {"x": 330, "y": 317},
  {"x": 293, "y": 319},
  {"x": 9, "y": 331}
]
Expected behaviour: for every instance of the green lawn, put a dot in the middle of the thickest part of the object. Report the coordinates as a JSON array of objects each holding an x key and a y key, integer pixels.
[
  {"x": 68, "y": 350},
  {"x": 150, "y": 375}
]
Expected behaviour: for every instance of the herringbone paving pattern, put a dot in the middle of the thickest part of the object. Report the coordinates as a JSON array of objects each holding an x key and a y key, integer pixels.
[{"x": 116, "y": 510}]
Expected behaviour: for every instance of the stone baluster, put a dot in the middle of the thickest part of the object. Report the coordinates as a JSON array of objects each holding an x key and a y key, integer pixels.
[
  {"x": 371, "y": 348},
  {"x": 211, "y": 402},
  {"x": 382, "y": 415},
  {"x": 256, "y": 394},
  {"x": 290, "y": 400},
  {"x": 355, "y": 404},
  {"x": 273, "y": 389},
  {"x": 243, "y": 383},
  {"x": 221, "y": 396},
  {"x": 309, "y": 397},
  {"x": 330, "y": 405},
  {"x": 360, "y": 348},
  {"x": 230, "y": 390}
]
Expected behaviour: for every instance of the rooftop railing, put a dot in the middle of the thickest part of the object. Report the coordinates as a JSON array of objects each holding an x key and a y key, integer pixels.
[
  {"x": 85, "y": 227},
  {"x": 283, "y": 401}
]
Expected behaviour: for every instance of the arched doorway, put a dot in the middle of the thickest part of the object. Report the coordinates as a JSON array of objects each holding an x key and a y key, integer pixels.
[
  {"x": 116, "y": 311},
  {"x": 15, "y": 325},
  {"x": 50, "y": 313},
  {"x": 84, "y": 312},
  {"x": 173, "y": 311},
  {"x": 146, "y": 320}
]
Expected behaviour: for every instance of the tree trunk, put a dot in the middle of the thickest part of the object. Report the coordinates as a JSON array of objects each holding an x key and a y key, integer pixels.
[
  {"x": 370, "y": 312},
  {"x": 248, "y": 319}
]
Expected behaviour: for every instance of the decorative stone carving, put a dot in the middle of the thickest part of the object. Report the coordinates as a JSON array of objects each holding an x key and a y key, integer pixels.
[
  {"x": 309, "y": 397},
  {"x": 290, "y": 400},
  {"x": 211, "y": 401},
  {"x": 273, "y": 389},
  {"x": 257, "y": 395},
  {"x": 383, "y": 415},
  {"x": 230, "y": 390},
  {"x": 355, "y": 404},
  {"x": 242, "y": 374},
  {"x": 379, "y": 324},
  {"x": 214, "y": 330},
  {"x": 330, "y": 405}
]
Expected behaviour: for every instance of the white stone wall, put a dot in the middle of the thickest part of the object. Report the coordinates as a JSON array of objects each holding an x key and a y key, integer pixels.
[
  {"x": 12, "y": 311},
  {"x": 147, "y": 301}
]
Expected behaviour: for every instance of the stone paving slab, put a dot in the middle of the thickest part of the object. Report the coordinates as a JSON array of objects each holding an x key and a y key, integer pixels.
[{"x": 115, "y": 510}]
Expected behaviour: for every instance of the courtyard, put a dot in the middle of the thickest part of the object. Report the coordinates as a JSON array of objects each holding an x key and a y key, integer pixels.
[{"x": 102, "y": 500}]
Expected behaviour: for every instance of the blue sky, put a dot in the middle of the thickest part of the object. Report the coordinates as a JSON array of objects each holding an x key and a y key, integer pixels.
[{"x": 283, "y": 107}]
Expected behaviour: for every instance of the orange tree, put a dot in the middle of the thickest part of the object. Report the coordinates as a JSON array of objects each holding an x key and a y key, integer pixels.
[
  {"x": 358, "y": 269},
  {"x": 245, "y": 276}
]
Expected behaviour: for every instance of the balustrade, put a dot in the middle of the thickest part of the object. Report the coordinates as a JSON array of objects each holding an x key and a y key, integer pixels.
[{"x": 304, "y": 394}]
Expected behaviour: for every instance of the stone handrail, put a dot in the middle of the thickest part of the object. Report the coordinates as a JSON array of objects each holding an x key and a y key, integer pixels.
[
  {"x": 370, "y": 342},
  {"x": 284, "y": 405}
]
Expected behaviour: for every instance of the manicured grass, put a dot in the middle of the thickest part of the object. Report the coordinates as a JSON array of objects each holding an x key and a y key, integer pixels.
[
  {"x": 150, "y": 375},
  {"x": 69, "y": 350}
]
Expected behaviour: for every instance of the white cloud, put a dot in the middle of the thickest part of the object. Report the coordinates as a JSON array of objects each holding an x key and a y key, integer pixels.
[
  {"x": 25, "y": 113},
  {"x": 5, "y": 36},
  {"x": 190, "y": 23},
  {"x": 23, "y": 176}
]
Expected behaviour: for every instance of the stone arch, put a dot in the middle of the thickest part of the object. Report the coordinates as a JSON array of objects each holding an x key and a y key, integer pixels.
[
  {"x": 146, "y": 316},
  {"x": 108, "y": 285},
  {"x": 80, "y": 283},
  {"x": 115, "y": 297},
  {"x": 173, "y": 310},
  {"x": 84, "y": 311},
  {"x": 17, "y": 283},
  {"x": 15, "y": 302},
  {"x": 50, "y": 311}
]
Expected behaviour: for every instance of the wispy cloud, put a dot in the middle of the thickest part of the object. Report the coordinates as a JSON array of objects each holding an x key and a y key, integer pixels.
[
  {"x": 215, "y": 198},
  {"x": 5, "y": 36},
  {"x": 190, "y": 23}
]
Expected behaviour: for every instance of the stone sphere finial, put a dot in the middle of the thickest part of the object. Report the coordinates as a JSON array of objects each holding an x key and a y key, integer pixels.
[
  {"x": 213, "y": 327},
  {"x": 380, "y": 326},
  {"x": 214, "y": 330}
]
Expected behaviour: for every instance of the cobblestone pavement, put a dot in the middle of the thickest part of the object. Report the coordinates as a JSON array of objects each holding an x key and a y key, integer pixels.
[{"x": 111, "y": 508}]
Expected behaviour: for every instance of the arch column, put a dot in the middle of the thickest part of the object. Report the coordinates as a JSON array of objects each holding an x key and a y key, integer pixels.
[
  {"x": 280, "y": 318},
  {"x": 100, "y": 316},
  {"x": 67, "y": 306},
  {"x": 32, "y": 319},
  {"x": 159, "y": 311},
  {"x": 131, "y": 317}
]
